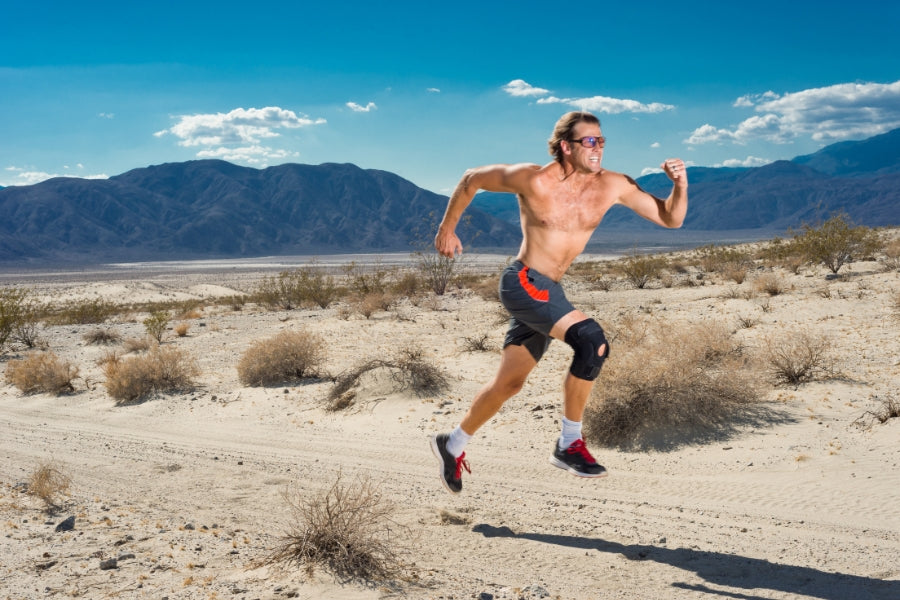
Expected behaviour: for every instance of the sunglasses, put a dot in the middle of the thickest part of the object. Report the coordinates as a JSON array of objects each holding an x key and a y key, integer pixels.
[{"x": 591, "y": 141}]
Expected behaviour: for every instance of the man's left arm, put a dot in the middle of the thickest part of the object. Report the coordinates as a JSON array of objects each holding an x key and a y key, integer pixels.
[{"x": 668, "y": 213}]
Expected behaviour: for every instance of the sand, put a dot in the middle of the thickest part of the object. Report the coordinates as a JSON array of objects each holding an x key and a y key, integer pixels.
[{"x": 187, "y": 491}]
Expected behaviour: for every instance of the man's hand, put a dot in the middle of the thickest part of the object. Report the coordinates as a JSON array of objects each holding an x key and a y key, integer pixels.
[
  {"x": 447, "y": 243},
  {"x": 674, "y": 170}
]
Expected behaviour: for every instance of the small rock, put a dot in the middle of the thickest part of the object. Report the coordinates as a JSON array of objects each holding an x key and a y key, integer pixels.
[
  {"x": 106, "y": 565},
  {"x": 126, "y": 556},
  {"x": 67, "y": 525}
]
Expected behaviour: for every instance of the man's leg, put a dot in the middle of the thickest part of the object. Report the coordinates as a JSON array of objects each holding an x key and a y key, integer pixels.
[
  {"x": 570, "y": 452},
  {"x": 516, "y": 363}
]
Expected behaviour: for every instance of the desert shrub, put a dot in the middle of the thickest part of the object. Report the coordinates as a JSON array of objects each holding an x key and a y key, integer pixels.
[
  {"x": 43, "y": 372},
  {"x": 769, "y": 283},
  {"x": 156, "y": 324},
  {"x": 363, "y": 280},
  {"x": 835, "y": 242},
  {"x": 407, "y": 284},
  {"x": 135, "y": 345},
  {"x": 892, "y": 255},
  {"x": 799, "y": 356},
  {"x": 677, "y": 383},
  {"x": 85, "y": 312},
  {"x": 488, "y": 288},
  {"x": 640, "y": 269},
  {"x": 100, "y": 336},
  {"x": 373, "y": 302},
  {"x": 278, "y": 291},
  {"x": 288, "y": 356},
  {"x": 182, "y": 328},
  {"x": 161, "y": 370},
  {"x": 887, "y": 407},
  {"x": 477, "y": 343},
  {"x": 725, "y": 260},
  {"x": 48, "y": 483},
  {"x": 349, "y": 530},
  {"x": 12, "y": 301},
  {"x": 409, "y": 370},
  {"x": 436, "y": 270}
]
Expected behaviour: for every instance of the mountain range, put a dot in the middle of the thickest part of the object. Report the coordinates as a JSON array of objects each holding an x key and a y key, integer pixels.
[{"x": 215, "y": 209}]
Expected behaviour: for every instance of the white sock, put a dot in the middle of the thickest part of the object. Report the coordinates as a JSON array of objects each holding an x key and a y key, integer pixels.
[
  {"x": 457, "y": 442},
  {"x": 571, "y": 431}
]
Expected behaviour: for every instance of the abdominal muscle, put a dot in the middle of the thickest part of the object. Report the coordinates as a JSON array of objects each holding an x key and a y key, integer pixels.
[{"x": 550, "y": 252}]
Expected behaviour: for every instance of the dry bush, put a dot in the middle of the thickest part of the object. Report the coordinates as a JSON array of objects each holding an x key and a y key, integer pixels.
[
  {"x": 836, "y": 242},
  {"x": 681, "y": 384},
  {"x": 288, "y": 356},
  {"x": 181, "y": 329},
  {"x": 161, "y": 370},
  {"x": 137, "y": 345},
  {"x": 797, "y": 357},
  {"x": 408, "y": 370},
  {"x": 84, "y": 312},
  {"x": 888, "y": 407},
  {"x": 892, "y": 255},
  {"x": 349, "y": 530},
  {"x": 730, "y": 262},
  {"x": 49, "y": 484},
  {"x": 477, "y": 343},
  {"x": 43, "y": 372},
  {"x": 407, "y": 284},
  {"x": 100, "y": 336},
  {"x": 640, "y": 269},
  {"x": 770, "y": 283},
  {"x": 488, "y": 288}
]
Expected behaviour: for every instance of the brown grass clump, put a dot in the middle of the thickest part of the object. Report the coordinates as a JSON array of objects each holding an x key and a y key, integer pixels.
[
  {"x": 100, "y": 336},
  {"x": 770, "y": 283},
  {"x": 288, "y": 356},
  {"x": 349, "y": 530},
  {"x": 137, "y": 345},
  {"x": 670, "y": 386},
  {"x": 49, "y": 484},
  {"x": 43, "y": 372},
  {"x": 181, "y": 329},
  {"x": 799, "y": 357},
  {"x": 162, "y": 370}
]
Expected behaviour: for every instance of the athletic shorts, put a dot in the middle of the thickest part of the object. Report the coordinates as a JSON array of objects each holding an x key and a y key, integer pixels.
[{"x": 535, "y": 303}]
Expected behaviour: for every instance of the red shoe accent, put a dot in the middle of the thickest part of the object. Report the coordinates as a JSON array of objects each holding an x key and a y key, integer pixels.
[
  {"x": 461, "y": 463},
  {"x": 578, "y": 447}
]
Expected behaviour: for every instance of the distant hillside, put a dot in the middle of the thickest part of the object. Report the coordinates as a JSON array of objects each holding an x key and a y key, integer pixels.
[
  {"x": 861, "y": 179},
  {"x": 216, "y": 209}
]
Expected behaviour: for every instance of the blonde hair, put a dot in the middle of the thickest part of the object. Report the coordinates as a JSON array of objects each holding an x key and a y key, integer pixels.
[{"x": 563, "y": 130}]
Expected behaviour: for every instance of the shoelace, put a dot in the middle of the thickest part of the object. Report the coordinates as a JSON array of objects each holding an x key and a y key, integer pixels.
[
  {"x": 578, "y": 447},
  {"x": 461, "y": 463}
]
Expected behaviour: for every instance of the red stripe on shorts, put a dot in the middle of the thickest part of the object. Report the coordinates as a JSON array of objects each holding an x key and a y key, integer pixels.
[{"x": 539, "y": 295}]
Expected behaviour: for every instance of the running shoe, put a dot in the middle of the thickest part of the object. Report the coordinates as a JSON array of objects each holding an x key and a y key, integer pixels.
[
  {"x": 451, "y": 466},
  {"x": 577, "y": 460}
]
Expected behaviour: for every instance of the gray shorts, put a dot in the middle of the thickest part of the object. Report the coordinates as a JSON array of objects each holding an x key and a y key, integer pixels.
[{"x": 535, "y": 303}]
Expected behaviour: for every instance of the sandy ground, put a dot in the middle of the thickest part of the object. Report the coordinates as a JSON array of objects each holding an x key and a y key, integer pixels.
[{"x": 187, "y": 491}]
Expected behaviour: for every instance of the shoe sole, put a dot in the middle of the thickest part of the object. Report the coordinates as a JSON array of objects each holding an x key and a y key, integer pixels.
[
  {"x": 437, "y": 454},
  {"x": 561, "y": 465}
]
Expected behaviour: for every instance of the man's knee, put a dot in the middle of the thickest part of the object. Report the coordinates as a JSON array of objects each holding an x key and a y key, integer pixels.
[{"x": 591, "y": 349}]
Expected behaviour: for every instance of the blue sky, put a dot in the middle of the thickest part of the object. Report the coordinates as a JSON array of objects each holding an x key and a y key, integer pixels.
[{"x": 426, "y": 90}]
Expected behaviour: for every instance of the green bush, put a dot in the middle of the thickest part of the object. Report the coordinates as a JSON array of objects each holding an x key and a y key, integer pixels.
[
  {"x": 835, "y": 243},
  {"x": 156, "y": 324}
]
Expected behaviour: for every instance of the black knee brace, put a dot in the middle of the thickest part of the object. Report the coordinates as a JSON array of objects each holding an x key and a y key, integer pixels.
[{"x": 586, "y": 338}]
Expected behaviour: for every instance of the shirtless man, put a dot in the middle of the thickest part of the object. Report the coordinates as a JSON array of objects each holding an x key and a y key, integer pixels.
[{"x": 560, "y": 206}]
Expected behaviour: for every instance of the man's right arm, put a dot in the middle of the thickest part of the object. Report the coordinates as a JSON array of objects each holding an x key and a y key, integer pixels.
[{"x": 492, "y": 178}]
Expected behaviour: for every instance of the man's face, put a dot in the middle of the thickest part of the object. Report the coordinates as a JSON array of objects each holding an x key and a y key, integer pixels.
[{"x": 582, "y": 158}]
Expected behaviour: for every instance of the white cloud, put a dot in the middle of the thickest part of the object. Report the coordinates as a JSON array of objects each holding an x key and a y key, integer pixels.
[
  {"x": 237, "y": 133},
  {"x": 750, "y": 161},
  {"x": 105, "y": 115},
  {"x": 604, "y": 104},
  {"x": 433, "y": 90},
  {"x": 827, "y": 114},
  {"x": 30, "y": 177},
  {"x": 654, "y": 145},
  {"x": 521, "y": 88},
  {"x": 256, "y": 155},
  {"x": 359, "y": 108}
]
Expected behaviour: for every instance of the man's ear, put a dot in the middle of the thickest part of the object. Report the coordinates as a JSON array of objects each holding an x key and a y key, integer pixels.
[{"x": 565, "y": 147}]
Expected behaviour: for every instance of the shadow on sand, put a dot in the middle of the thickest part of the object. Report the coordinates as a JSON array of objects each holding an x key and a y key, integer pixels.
[{"x": 727, "y": 570}]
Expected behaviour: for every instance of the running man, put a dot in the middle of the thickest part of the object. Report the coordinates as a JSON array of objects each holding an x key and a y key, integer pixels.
[{"x": 560, "y": 206}]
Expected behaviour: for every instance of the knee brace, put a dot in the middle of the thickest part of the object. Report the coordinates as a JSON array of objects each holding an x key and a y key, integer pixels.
[{"x": 586, "y": 338}]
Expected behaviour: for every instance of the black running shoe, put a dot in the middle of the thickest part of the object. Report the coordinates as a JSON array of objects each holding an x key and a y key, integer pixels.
[
  {"x": 451, "y": 466},
  {"x": 577, "y": 460}
]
